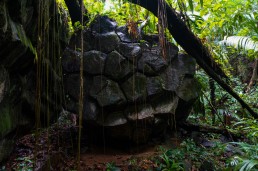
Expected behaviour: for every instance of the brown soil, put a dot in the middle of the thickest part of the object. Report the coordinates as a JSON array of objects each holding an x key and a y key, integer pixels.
[
  {"x": 137, "y": 157},
  {"x": 55, "y": 149}
]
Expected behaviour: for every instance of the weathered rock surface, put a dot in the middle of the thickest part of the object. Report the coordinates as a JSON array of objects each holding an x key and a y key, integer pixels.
[
  {"x": 154, "y": 86},
  {"x": 4, "y": 82},
  {"x": 103, "y": 24},
  {"x": 93, "y": 62},
  {"x": 106, "y": 92},
  {"x": 106, "y": 42},
  {"x": 185, "y": 90},
  {"x": 153, "y": 60},
  {"x": 130, "y": 83},
  {"x": 139, "y": 112},
  {"x": 183, "y": 60},
  {"x": 122, "y": 32},
  {"x": 113, "y": 119},
  {"x": 130, "y": 50},
  {"x": 90, "y": 110},
  {"x": 71, "y": 61},
  {"x": 172, "y": 52},
  {"x": 135, "y": 87},
  {"x": 117, "y": 67},
  {"x": 171, "y": 78},
  {"x": 18, "y": 38},
  {"x": 166, "y": 106},
  {"x": 72, "y": 85}
]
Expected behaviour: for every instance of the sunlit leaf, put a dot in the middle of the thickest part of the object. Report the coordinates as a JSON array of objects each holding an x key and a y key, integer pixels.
[
  {"x": 190, "y": 2},
  {"x": 240, "y": 42},
  {"x": 201, "y": 2}
]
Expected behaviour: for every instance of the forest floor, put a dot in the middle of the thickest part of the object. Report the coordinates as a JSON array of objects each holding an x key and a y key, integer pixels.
[
  {"x": 54, "y": 154},
  {"x": 56, "y": 148}
]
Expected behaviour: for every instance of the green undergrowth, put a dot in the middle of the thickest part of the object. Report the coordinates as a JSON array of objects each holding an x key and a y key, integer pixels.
[
  {"x": 201, "y": 151},
  {"x": 232, "y": 156}
]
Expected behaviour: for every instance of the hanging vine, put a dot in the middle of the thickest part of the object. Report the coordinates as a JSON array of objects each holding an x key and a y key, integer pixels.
[{"x": 81, "y": 88}]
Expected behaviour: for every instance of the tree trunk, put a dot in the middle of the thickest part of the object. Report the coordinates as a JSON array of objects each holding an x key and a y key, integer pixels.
[
  {"x": 75, "y": 11},
  {"x": 254, "y": 76},
  {"x": 193, "y": 46},
  {"x": 208, "y": 129}
]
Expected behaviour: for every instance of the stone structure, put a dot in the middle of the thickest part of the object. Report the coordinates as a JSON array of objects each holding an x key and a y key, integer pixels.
[{"x": 126, "y": 81}]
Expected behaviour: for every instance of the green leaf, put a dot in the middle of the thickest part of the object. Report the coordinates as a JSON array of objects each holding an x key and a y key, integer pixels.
[
  {"x": 248, "y": 165},
  {"x": 190, "y": 2},
  {"x": 201, "y": 2},
  {"x": 240, "y": 42}
]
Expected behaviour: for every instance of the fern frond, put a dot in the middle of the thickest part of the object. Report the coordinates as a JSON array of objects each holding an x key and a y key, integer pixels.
[{"x": 240, "y": 42}]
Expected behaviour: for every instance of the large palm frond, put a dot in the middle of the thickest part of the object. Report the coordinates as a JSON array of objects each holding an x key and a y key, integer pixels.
[{"x": 240, "y": 42}]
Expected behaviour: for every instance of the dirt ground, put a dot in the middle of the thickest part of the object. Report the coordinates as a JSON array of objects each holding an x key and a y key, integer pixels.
[{"x": 55, "y": 149}]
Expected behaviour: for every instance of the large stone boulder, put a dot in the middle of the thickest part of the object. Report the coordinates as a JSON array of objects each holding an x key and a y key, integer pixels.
[
  {"x": 18, "y": 44},
  {"x": 93, "y": 62},
  {"x": 117, "y": 67},
  {"x": 129, "y": 83},
  {"x": 135, "y": 87},
  {"x": 107, "y": 92}
]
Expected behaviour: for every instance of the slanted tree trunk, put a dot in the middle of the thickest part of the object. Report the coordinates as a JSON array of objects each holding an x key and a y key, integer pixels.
[
  {"x": 193, "y": 46},
  {"x": 75, "y": 11}
]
